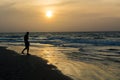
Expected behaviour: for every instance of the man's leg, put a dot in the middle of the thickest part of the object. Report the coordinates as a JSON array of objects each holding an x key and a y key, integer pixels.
[
  {"x": 28, "y": 50},
  {"x": 23, "y": 50}
]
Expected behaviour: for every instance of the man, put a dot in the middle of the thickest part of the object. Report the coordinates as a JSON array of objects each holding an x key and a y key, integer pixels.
[{"x": 27, "y": 44}]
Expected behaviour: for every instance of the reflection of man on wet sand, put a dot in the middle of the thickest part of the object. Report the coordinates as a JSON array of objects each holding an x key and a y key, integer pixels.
[{"x": 27, "y": 44}]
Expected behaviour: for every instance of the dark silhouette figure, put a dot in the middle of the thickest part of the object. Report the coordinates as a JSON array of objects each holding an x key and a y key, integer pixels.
[{"x": 27, "y": 44}]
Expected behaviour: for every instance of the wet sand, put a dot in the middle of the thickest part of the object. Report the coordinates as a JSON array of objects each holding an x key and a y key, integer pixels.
[
  {"x": 14, "y": 66},
  {"x": 90, "y": 66}
]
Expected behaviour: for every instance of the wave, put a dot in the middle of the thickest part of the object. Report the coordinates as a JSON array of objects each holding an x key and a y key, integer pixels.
[{"x": 61, "y": 39}]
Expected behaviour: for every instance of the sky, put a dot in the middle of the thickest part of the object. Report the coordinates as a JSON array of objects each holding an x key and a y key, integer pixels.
[{"x": 67, "y": 15}]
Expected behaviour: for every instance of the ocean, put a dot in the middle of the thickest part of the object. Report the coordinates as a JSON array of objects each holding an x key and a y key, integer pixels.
[
  {"x": 80, "y": 55},
  {"x": 64, "y": 38}
]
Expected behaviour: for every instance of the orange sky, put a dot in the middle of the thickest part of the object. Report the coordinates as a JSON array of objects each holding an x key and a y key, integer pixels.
[{"x": 67, "y": 15}]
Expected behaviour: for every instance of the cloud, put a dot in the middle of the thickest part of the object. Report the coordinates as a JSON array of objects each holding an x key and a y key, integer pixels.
[
  {"x": 7, "y": 5},
  {"x": 77, "y": 15},
  {"x": 63, "y": 3}
]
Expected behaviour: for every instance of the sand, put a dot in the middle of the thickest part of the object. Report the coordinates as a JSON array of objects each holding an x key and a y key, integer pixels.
[
  {"x": 52, "y": 63},
  {"x": 14, "y": 66}
]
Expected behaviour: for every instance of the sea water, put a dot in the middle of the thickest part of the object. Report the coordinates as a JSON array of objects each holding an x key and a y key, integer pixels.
[
  {"x": 64, "y": 38},
  {"x": 89, "y": 55}
]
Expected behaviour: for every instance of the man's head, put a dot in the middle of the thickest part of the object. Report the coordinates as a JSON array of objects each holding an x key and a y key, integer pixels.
[{"x": 27, "y": 33}]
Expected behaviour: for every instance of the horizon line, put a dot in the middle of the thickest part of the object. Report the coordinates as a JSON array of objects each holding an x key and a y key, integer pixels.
[{"x": 54, "y": 31}]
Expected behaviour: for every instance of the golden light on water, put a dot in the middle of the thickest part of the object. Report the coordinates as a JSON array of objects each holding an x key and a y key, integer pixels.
[{"x": 49, "y": 13}]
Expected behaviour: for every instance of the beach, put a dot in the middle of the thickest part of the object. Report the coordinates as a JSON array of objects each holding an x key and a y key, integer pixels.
[
  {"x": 60, "y": 56},
  {"x": 59, "y": 39},
  {"x": 83, "y": 69},
  {"x": 14, "y": 66}
]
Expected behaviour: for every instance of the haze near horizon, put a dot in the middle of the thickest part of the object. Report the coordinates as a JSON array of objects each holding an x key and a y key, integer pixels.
[{"x": 59, "y": 15}]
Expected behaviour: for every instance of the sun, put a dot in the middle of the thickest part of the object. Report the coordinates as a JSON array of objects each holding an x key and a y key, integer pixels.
[{"x": 49, "y": 13}]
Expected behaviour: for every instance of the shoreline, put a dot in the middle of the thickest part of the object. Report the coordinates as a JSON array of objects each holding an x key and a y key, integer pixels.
[
  {"x": 21, "y": 67},
  {"x": 95, "y": 66}
]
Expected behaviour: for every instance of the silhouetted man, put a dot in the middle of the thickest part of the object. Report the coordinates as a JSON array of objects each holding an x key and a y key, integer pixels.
[{"x": 27, "y": 44}]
